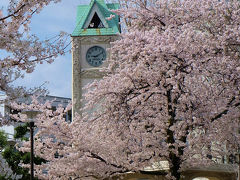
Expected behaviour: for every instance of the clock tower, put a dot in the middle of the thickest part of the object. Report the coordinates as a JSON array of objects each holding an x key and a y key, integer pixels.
[{"x": 90, "y": 42}]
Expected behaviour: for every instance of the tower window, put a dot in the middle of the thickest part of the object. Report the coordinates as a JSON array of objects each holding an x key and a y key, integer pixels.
[{"x": 96, "y": 22}]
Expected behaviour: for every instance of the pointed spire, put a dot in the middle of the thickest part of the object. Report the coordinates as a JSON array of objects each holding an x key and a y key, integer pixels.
[
  {"x": 91, "y": 19},
  {"x": 102, "y": 2}
]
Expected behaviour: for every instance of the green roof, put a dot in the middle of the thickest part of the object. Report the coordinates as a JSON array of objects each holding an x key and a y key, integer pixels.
[{"x": 104, "y": 11}]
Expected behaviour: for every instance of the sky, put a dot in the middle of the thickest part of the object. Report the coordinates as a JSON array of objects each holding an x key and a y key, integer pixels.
[
  {"x": 53, "y": 19},
  {"x": 57, "y": 76}
]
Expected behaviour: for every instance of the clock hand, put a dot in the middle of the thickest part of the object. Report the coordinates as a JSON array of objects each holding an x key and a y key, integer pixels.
[{"x": 98, "y": 54}]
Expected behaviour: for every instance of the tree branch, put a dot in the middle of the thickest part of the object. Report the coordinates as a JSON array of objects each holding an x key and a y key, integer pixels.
[
  {"x": 95, "y": 156},
  {"x": 13, "y": 14},
  {"x": 224, "y": 112}
]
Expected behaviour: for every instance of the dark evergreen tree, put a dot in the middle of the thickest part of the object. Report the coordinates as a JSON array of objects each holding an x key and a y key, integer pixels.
[{"x": 14, "y": 157}]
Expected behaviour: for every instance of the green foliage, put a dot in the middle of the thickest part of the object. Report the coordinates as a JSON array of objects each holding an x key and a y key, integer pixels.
[
  {"x": 14, "y": 157},
  {"x": 3, "y": 140},
  {"x": 3, "y": 145},
  {"x": 2, "y": 177},
  {"x": 21, "y": 131}
]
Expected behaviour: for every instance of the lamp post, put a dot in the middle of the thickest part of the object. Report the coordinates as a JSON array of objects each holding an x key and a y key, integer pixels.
[
  {"x": 31, "y": 115},
  {"x": 238, "y": 166}
]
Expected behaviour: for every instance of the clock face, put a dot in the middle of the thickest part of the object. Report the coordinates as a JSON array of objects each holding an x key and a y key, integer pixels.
[{"x": 95, "y": 56}]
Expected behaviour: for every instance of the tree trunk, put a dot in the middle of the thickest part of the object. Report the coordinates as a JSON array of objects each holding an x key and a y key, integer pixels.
[
  {"x": 175, "y": 166},
  {"x": 174, "y": 160},
  {"x": 238, "y": 167}
]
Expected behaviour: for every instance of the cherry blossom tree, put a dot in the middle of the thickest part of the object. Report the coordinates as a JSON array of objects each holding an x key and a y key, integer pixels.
[
  {"x": 171, "y": 93},
  {"x": 21, "y": 50}
]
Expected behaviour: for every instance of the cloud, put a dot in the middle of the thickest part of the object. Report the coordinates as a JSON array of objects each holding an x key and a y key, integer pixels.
[{"x": 57, "y": 74}]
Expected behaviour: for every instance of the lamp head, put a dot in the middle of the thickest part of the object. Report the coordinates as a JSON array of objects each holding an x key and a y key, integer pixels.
[{"x": 31, "y": 114}]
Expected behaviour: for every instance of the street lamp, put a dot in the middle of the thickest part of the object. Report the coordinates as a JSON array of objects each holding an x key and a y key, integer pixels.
[{"x": 31, "y": 115}]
